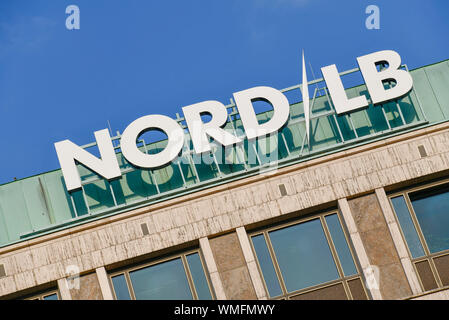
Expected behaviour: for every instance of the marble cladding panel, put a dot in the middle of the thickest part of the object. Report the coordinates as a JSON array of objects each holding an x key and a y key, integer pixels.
[
  {"x": 232, "y": 268},
  {"x": 89, "y": 288},
  {"x": 379, "y": 246}
]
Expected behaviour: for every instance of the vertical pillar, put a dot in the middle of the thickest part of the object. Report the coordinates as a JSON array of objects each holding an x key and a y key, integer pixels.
[
  {"x": 399, "y": 242},
  {"x": 64, "y": 289},
  {"x": 105, "y": 287},
  {"x": 358, "y": 246},
  {"x": 251, "y": 263},
  {"x": 212, "y": 268}
]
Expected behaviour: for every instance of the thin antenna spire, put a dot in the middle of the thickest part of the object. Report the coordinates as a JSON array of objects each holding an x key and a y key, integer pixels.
[
  {"x": 305, "y": 98},
  {"x": 313, "y": 74}
]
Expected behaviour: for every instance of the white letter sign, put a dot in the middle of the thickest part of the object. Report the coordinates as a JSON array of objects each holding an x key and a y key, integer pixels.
[
  {"x": 281, "y": 110},
  {"x": 68, "y": 152}
]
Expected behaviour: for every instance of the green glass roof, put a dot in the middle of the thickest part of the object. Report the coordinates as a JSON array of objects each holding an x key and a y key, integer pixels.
[{"x": 40, "y": 204}]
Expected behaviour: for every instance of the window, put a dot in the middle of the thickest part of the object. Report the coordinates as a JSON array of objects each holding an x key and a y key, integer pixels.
[
  {"x": 180, "y": 277},
  {"x": 48, "y": 295},
  {"x": 423, "y": 214},
  {"x": 310, "y": 259}
]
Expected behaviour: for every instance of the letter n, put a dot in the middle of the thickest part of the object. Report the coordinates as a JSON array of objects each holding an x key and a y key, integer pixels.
[{"x": 68, "y": 152}]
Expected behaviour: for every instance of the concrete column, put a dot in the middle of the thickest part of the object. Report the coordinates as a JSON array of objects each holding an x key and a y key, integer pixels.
[
  {"x": 359, "y": 248},
  {"x": 212, "y": 268},
  {"x": 64, "y": 289},
  {"x": 251, "y": 263},
  {"x": 399, "y": 242},
  {"x": 105, "y": 287}
]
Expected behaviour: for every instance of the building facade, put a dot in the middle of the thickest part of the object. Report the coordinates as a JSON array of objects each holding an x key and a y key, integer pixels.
[{"x": 360, "y": 210}]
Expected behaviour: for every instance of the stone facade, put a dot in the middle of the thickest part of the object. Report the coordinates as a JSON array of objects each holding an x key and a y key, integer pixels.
[
  {"x": 379, "y": 246},
  {"x": 351, "y": 174},
  {"x": 231, "y": 266},
  {"x": 89, "y": 288}
]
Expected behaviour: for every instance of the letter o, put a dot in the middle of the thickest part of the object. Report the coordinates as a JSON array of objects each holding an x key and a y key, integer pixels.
[{"x": 132, "y": 153}]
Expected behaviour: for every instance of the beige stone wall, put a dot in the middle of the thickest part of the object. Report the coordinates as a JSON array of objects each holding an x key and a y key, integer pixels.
[{"x": 221, "y": 209}]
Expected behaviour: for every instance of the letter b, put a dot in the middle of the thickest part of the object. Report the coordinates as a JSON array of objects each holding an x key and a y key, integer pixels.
[{"x": 375, "y": 79}]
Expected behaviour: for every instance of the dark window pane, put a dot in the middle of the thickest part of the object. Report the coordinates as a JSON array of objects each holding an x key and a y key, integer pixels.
[
  {"x": 163, "y": 281},
  {"x": 199, "y": 279},
  {"x": 269, "y": 274},
  {"x": 334, "y": 292},
  {"x": 303, "y": 254},
  {"x": 120, "y": 287},
  {"x": 408, "y": 229},
  {"x": 442, "y": 264},
  {"x": 356, "y": 288},
  {"x": 53, "y": 296},
  {"x": 426, "y": 275},
  {"x": 338, "y": 237},
  {"x": 432, "y": 211}
]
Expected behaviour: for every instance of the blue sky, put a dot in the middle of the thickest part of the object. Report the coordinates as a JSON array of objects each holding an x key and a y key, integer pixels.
[{"x": 135, "y": 57}]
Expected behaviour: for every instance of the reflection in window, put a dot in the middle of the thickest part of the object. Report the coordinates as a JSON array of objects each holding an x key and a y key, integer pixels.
[
  {"x": 120, "y": 287},
  {"x": 341, "y": 245},
  {"x": 165, "y": 280},
  {"x": 423, "y": 215},
  {"x": 199, "y": 278},
  {"x": 266, "y": 264},
  {"x": 432, "y": 211},
  {"x": 305, "y": 255},
  {"x": 405, "y": 220},
  {"x": 180, "y": 278},
  {"x": 53, "y": 296}
]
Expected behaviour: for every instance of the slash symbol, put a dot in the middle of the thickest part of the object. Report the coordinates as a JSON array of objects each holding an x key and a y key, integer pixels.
[{"x": 305, "y": 98}]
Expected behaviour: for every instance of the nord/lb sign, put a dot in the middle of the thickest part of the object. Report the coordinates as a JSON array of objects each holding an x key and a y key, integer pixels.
[{"x": 107, "y": 166}]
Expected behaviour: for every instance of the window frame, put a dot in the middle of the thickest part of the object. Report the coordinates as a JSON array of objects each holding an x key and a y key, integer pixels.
[
  {"x": 183, "y": 256},
  {"x": 428, "y": 256},
  {"x": 42, "y": 295},
  {"x": 342, "y": 278}
]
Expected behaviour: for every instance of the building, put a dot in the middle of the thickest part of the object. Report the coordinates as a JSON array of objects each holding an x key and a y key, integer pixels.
[{"x": 360, "y": 210}]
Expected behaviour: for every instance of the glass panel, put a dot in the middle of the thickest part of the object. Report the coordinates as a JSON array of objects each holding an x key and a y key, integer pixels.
[
  {"x": 338, "y": 237},
  {"x": 426, "y": 275},
  {"x": 163, "y": 281},
  {"x": 432, "y": 211},
  {"x": 442, "y": 265},
  {"x": 121, "y": 288},
  {"x": 356, "y": 288},
  {"x": 199, "y": 279},
  {"x": 407, "y": 226},
  {"x": 303, "y": 254},
  {"x": 53, "y": 296},
  {"x": 266, "y": 264}
]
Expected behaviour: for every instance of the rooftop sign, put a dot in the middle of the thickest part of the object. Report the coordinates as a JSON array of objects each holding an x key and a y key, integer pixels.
[{"x": 108, "y": 167}]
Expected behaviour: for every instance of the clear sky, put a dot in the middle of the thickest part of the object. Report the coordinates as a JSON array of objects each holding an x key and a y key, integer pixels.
[{"x": 136, "y": 57}]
